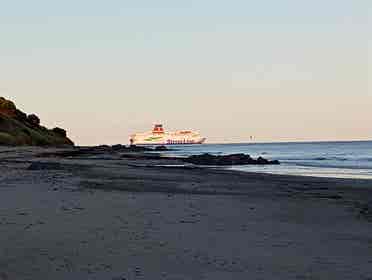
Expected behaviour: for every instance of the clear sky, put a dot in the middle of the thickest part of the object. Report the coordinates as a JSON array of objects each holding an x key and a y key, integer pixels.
[{"x": 280, "y": 70}]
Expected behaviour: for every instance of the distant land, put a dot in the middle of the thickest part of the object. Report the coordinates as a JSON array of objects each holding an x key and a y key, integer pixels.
[{"x": 20, "y": 129}]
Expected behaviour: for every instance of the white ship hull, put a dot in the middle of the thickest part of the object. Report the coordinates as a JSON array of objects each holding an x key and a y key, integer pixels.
[{"x": 159, "y": 137}]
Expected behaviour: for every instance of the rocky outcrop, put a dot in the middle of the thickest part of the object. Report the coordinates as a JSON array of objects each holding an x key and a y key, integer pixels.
[
  {"x": 161, "y": 148},
  {"x": 233, "y": 159},
  {"x": 18, "y": 128}
]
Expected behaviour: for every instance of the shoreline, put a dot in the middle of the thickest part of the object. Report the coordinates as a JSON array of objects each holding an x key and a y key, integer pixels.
[
  {"x": 105, "y": 216},
  {"x": 312, "y": 174},
  {"x": 144, "y": 151}
]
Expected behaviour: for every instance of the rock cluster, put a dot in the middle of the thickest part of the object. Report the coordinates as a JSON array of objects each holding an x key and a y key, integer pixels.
[
  {"x": 233, "y": 159},
  {"x": 18, "y": 128},
  {"x": 134, "y": 148}
]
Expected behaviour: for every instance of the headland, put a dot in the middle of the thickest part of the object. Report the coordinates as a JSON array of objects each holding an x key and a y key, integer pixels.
[{"x": 19, "y": 129}]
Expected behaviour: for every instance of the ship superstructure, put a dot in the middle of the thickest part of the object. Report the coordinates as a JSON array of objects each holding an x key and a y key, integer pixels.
[{"x": 158, "y": 136}]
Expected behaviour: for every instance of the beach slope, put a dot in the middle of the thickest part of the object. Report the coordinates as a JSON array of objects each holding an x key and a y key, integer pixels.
[{"x": 68, "y": 214}]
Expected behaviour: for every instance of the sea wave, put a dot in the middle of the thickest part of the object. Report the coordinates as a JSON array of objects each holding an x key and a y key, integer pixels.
[
  {"x": 338, "y": 166},
  {"x": 310, "y": 159},
  {"x": 355, "y": 159},
  {"x": 336, "y": 158}
]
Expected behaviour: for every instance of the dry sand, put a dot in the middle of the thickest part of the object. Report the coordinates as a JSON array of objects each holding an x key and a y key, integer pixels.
[{"x": 104, "y": 216}]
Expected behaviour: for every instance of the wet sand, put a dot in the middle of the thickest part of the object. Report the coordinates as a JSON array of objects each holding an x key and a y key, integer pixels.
[{"x": 110, "y": 216}]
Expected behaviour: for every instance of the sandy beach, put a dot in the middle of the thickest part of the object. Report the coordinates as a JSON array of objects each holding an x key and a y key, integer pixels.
[{"x": 107, "y": 215}]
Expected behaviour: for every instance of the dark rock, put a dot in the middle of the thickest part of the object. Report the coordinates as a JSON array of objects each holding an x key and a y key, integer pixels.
[
  {"x": 161, "y": 148},
  {"x": 262, "y": 160},
  {"x": 104, "y": 147},
  {"x": 118, "y": 147},
  {"x": 45, "y": 166},
  {"x": 233, "y": 159},
  {"x": 134, "y": 148},
  {"x": 330, "y": 196}
]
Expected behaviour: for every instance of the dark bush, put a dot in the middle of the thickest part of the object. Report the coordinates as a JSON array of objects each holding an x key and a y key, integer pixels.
[
  {"x": 7, "y": 104},
  {"x": 33, "y": 119},
  {"x": 20, "y": 116},
  {"x": 60, "y": 132}
]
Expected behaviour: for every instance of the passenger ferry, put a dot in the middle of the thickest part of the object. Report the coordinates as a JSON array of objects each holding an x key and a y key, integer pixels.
[{"x": 159, "y": 137}]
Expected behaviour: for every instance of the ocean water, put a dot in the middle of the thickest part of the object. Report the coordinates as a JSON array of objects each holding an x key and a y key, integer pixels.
[{"x": 320, "y": 159}]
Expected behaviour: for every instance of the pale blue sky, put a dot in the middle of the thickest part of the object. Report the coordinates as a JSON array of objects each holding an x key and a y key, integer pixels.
[{"x": 279, "y": 70}]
